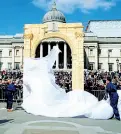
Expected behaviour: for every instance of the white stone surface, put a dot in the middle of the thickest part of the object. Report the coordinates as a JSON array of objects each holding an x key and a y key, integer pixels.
[
  {"x": 103, "y": 57},
  {"x": 7, "y": 43},
  {"x": 105, "y": 28}
]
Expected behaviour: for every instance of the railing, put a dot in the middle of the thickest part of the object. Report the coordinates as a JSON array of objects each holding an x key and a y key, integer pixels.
[
  {"x": 18, "y": 96},
  {"x": 100, "y": 94},
  {"x": 2, "y": 95}
]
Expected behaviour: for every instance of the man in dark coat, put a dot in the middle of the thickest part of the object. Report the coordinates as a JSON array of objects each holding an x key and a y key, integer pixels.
[
  {"x": 10, "y": 90},
  {"x": 111, "y": 90}
]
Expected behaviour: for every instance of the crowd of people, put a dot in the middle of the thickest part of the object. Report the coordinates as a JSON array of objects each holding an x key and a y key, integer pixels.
[
  {"x": 15, "y": 76},
  {"x": 64, "y": 79},
  {"x": 96, "y": 80},
  {"x": 93, "y": 80}
]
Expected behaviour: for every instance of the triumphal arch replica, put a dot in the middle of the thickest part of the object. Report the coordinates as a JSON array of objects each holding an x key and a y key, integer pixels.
[{"x": 40, "y": 38}]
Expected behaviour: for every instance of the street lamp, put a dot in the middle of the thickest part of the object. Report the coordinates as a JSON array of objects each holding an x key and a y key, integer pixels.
[{"x": 117, "y": 61}]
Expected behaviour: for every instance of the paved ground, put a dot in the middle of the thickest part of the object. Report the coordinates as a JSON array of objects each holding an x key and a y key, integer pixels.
[{"x": 19, "y": 122}]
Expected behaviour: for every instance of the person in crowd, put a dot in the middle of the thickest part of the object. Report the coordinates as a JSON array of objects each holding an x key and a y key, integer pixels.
[
  {"x": 115, "y": 80},
  {"x": 119, "y": 85},
  {"x": 112, "y": 91},
  {"x": 10, "y": 90},
  {"x": 112, "y": 75}
]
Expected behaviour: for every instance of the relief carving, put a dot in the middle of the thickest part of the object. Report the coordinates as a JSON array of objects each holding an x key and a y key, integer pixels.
[
  {"x": 79, "y": 35},
  {"x": 28, "y": 36}
]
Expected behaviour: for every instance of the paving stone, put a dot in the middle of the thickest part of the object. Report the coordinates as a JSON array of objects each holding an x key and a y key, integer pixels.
[{"x": 20, "y": 122}]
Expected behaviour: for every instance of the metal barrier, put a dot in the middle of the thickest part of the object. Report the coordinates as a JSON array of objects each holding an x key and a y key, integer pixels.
[
  {"x": 100, "y": 94},
  {"x": 2, "y": 95},
  {"x": 18, "y": 96}
]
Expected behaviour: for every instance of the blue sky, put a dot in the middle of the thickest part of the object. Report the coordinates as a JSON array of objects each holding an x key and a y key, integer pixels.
[{"x": 15, "y": 13}]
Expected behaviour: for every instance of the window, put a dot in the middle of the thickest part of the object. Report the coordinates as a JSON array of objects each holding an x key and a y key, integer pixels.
[
  {"x": 9, "y": 65},
  {"x": 17, "y": 52},
  {"x": 100, "y": 66},
  {"x": 17, "y": 65},
  {"x": 0, "y": 53},
  {"x": 109, "y": 52},
  {"x": 91, "y": 52},
  {"x": 10, "y": 52},
  {"x": 1, "y": 65},
  {"x": 99, "y": 51},
  {"x": 110, "y": 67},
  {"x": 91, "y": 66}
]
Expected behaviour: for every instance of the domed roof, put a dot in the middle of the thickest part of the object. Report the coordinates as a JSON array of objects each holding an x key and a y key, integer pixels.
[{"x": 54, "y": 15}]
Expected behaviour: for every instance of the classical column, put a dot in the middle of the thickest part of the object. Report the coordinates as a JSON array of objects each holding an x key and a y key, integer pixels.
[
  {"x": 13, "y": 57},
  {"x": 27, "y": 45},
  {"x": 86, "y": 54},
  {"x": 96, "y": 58},
  {"x": 57, "y": 60},
  {"x": 49, "y": 49},
  {"x": 65, "y": 55},
  {"x": 22, "y": 56},
  {"x": 78, "y": 63},
  {"x": 41, "y": 50}
]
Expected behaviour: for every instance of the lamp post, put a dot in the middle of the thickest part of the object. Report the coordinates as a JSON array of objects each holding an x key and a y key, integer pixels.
[{"x": 117, "y": 61}]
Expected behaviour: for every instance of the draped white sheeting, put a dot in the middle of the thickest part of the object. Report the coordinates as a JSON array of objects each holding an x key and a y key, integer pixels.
[{"x": 43, "y": 97}]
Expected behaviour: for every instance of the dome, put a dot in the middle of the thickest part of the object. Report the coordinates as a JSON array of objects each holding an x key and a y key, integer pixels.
[{"x": 54, "y": 15}]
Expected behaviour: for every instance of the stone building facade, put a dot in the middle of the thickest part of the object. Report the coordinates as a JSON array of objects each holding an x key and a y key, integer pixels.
[
  {"x": 11, "y": 51},
  {"x": 101, "y": 45}
]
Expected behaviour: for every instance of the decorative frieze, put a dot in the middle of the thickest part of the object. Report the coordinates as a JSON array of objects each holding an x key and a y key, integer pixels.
[
  {"x": 28, "y": 36},
  {"x": 79, "y": 35}
]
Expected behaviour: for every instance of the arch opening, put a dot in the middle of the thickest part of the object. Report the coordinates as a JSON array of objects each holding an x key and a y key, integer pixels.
[{"x": 64, "y": 59}]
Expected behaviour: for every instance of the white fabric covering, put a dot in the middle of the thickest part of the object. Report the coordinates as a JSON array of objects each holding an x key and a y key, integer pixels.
[
  {"x": 43, "y": 97},
  {"x": 102, "y": 110},
  {"x": 119, "y": 102}
]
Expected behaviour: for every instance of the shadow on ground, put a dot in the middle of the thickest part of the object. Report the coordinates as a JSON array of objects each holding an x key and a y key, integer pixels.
[{"x": 6, "y": 121}]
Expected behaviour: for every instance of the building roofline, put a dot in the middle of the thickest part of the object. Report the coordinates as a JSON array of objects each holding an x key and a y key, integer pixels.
[
  {"x": 17, "y": 35},
  {"x": 106, "y": 20},
  {"x": 99, "y": 21}
]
